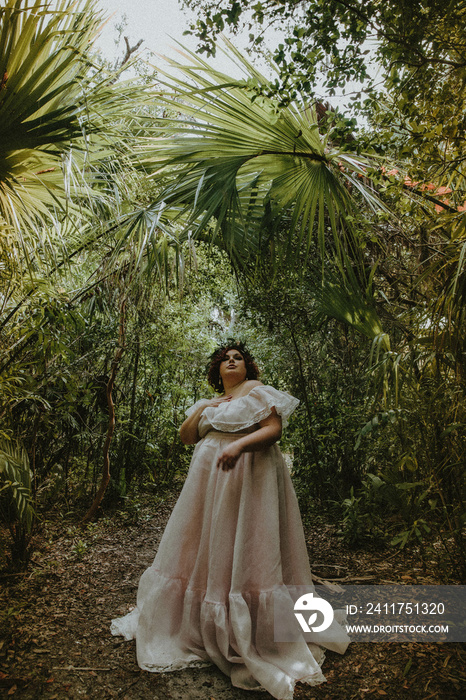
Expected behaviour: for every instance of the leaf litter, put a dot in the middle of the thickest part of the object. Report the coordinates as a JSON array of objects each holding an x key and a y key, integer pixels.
[{"x": 55, "y": 641}]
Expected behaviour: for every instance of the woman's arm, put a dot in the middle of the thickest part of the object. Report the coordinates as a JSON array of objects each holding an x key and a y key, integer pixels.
[
  {"x": 269, "y": 432},
  {"x": 188, "y": 429}
]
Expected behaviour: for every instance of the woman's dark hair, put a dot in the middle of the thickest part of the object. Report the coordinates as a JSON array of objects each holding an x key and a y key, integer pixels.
[{"x": 213, "y": 366}]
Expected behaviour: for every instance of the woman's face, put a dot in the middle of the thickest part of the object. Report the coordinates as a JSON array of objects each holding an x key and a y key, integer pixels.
[{"x": 233, "y": 367}]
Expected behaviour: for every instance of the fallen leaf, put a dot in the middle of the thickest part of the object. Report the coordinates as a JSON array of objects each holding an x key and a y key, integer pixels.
[{"x": 12, "y": 690}]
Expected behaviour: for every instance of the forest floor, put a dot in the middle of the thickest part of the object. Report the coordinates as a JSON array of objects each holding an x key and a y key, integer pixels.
[{"x": 55, "y": 641}]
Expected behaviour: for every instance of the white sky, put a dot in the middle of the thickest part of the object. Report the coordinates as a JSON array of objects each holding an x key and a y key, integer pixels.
[
  {"x": 151, "y": 20},
  {"x": 157, "y": 22}
]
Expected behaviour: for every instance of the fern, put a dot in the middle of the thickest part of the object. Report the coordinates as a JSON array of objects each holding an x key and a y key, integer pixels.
[{"x": 15, "y": 476}]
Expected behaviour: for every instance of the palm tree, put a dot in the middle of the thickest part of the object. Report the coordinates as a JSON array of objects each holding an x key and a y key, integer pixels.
[
  {"x": 66, "y": 128},
  {"x": 238, "y": 157},
  {"x": 61, "y": 115},
  {"x": 239, "y": 169}
]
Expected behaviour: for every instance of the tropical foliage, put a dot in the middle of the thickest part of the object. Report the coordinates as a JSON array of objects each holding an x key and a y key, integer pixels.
[
  {"x": 252, "y": 165},
  {"x": 143, "y": 221},
  {"x": 49, "y": 111},
  {"x": 67, "y": 127}
]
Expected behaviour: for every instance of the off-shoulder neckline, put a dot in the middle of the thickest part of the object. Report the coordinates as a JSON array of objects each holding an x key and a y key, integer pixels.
[{"x": 243, "y": 396}]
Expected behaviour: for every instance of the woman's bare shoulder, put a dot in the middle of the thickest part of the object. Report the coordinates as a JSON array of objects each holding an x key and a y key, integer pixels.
[{"x": 251, "y": 384}]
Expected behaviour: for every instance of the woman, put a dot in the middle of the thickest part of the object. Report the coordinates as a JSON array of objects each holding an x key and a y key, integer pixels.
[{"x": 234, "y": 537}]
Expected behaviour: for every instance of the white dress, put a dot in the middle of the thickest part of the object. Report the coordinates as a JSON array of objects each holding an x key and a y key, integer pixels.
[{"x": 233, "y": 538}]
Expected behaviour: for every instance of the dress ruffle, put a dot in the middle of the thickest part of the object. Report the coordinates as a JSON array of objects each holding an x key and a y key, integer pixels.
[
  {"x": 248, "y": 410},
  {"x": 233, "y": 541},
  {"x": 236, "y": 635}
]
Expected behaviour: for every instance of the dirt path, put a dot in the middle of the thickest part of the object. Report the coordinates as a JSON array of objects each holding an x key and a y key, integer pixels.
[{"x": 55, "y": 641}]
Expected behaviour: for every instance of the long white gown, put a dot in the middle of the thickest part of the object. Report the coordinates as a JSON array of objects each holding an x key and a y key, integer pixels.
[{"x": 234, "y": 537}]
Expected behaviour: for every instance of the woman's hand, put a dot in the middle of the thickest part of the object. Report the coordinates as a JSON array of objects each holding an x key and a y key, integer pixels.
[
  {"x": 229, "y": 456},
  {"x": 269, "y": 432},
  {"x": 188, "y": 429}
]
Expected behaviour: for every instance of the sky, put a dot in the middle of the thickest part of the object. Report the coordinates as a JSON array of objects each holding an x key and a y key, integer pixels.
[
  {"x": 157, "y": 22},
  {"x": 151, "y": 20},
  {"x": 160, "y": 23}
]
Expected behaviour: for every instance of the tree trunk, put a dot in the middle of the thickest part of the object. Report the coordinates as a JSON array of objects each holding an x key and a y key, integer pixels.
[
  {"x": 305, "y": 395},
  {"x": 111, "y": 420},
  {"x": 129, "y": 441}
]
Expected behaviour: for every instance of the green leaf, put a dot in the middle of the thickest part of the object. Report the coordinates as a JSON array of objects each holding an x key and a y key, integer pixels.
[
  {"x": 16, "y": 476},
  {"x": 251, "y": 166}
]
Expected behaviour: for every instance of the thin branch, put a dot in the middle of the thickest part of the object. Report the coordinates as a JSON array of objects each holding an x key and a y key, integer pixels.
[
  {"x": 105, "y": 480},
  {"x": 130, "y": 50}
]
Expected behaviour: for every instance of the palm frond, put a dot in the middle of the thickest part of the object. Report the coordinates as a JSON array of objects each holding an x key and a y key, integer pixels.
[
  {"x": 60, "y": 115},
  {"x": 242, "y": 161},
  {"x": 342, "y": 297}
]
